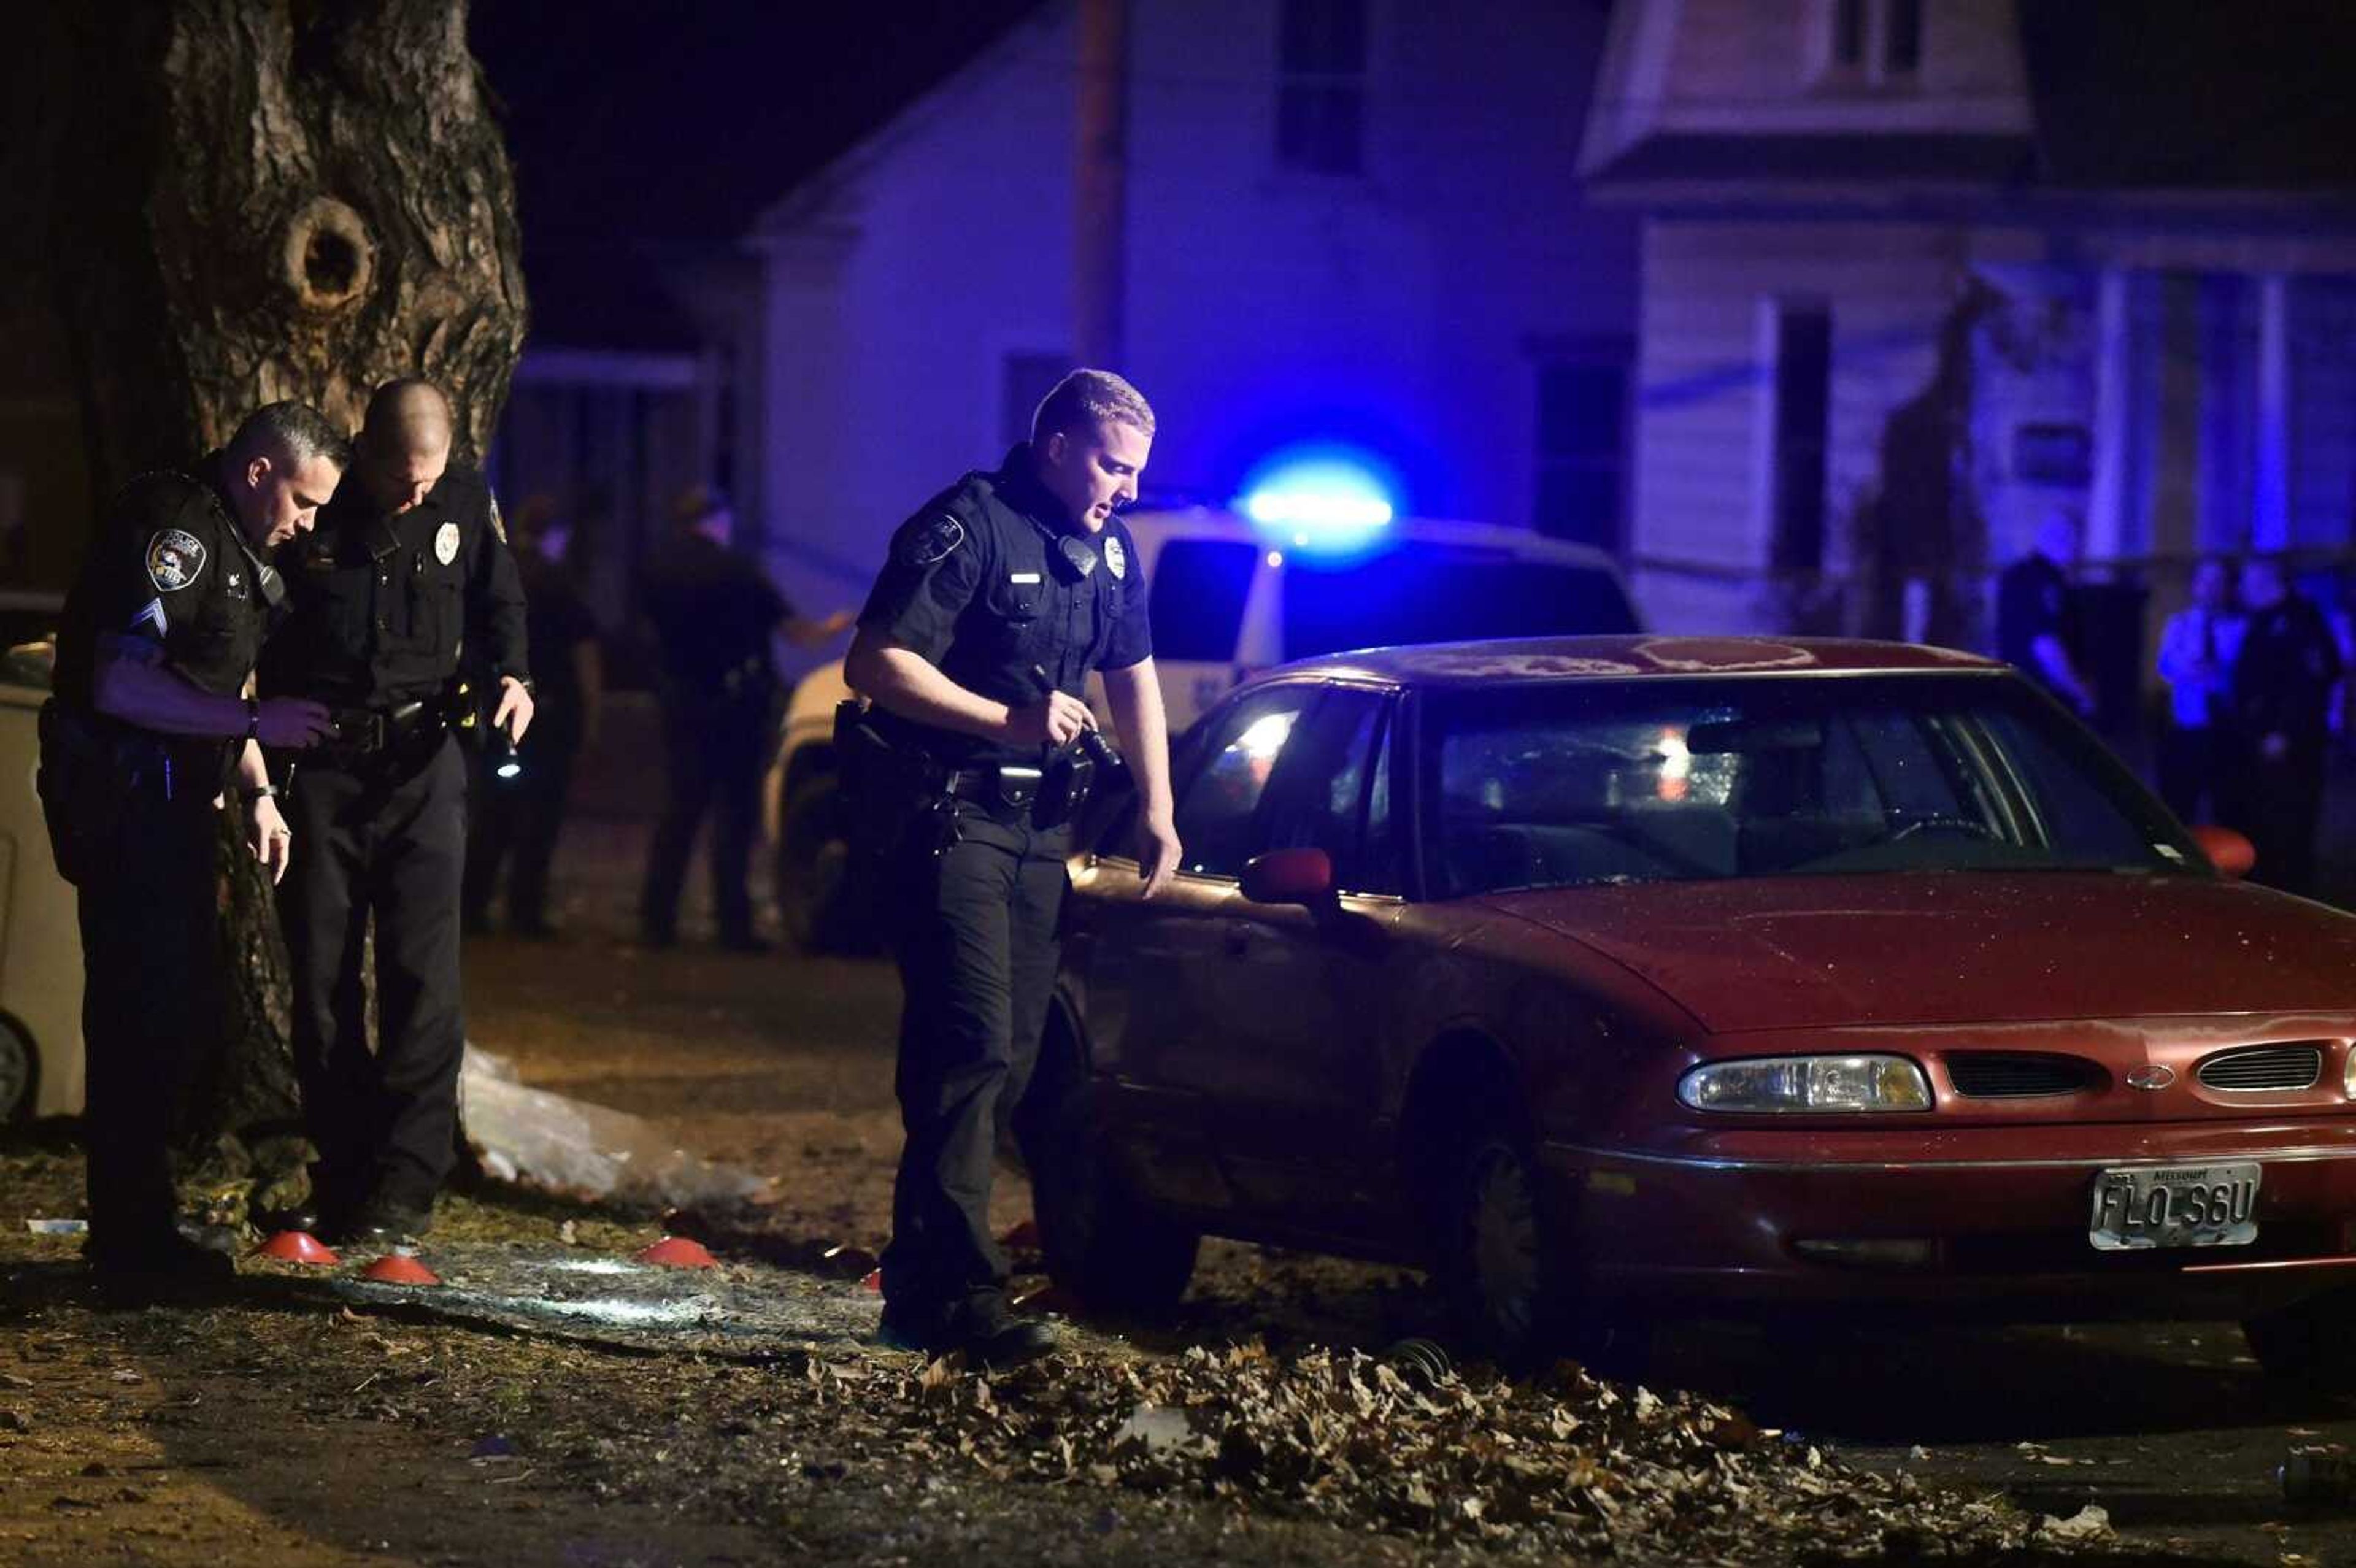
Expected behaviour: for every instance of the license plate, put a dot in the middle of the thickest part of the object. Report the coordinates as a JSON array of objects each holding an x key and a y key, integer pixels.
[{"x": 2175, "y": 1206}]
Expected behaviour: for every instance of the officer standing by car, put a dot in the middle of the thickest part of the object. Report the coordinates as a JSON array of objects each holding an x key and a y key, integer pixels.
[
  {"x": 406, "y": 571},
  {"x": 1001, "y": 594},
  {"x": 152, "y": 722},
  {"x": 2283, "y": 681},
  {"x": 714, "y": 612}
]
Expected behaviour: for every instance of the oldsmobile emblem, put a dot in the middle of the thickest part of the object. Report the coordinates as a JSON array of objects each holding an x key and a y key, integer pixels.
[{"x": 2151, "y": 1075}]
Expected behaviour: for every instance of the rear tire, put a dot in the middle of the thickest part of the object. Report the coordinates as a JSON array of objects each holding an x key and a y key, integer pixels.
[
  {"x": 19, "y": 1074},
  {"x": 2307, "y": 1343},
  {"x": 1107, "y": 1246}
]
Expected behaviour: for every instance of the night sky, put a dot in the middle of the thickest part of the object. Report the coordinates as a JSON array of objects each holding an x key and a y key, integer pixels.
[{"x": 629, "y": 120}]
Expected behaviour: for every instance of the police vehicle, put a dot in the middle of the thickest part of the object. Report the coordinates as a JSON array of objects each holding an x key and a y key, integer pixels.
[
  {"x": 40, "y": 935},
  {"x": 1231, "y": 594}
]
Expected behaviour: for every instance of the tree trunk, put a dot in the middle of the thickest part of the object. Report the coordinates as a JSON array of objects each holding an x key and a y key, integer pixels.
[{"x": 260, "y": 199}]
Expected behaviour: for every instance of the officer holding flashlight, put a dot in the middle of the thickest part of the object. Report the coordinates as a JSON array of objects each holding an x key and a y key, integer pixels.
[
  {"x": 1000, "y": 595},
  {"x": 407, "y": 568}
]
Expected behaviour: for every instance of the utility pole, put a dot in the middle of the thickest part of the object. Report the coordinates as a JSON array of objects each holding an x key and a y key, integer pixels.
[{"x": 1100, "y": 186}]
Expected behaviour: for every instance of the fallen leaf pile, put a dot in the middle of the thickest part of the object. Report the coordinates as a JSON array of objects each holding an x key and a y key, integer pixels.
[{"x": 1564, "y": 1463}]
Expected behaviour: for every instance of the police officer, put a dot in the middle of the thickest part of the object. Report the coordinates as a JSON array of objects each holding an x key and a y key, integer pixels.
[
  {"x": 2035, "y": 627},
  {"x": 713, "y": 614},
  {"x": 1000, "y": 595},
  {"x": 2282, "y": 680},
  {"x": 406, "y": 569},
  {"x": 151, "y": 724}
]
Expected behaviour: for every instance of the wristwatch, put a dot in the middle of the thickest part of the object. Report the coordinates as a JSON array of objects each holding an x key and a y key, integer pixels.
[
  {"x": 252, "y": 792},
  {"x": 253, "y": 717}
]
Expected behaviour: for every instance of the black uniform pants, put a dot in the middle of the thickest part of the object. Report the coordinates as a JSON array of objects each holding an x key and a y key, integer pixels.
[
  {"x": 387, "y": 838},
  {"x": 974, "y": 933},
  {"x": 514, "y": 824},
  {"x": 2280, "y": 806},
  {"x": 151, "y": 1004},
  {"x": 2191, "y": 764},
  {"x": 715, "y": 749}
]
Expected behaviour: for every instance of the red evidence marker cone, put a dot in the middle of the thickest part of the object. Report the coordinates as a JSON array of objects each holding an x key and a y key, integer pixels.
[
  {"x": 678, "y": 1252},
  {"x": 399, "y": 1268},
  {"x": 874, "y": 1281},
  {"x": 297, "y": 1247}
]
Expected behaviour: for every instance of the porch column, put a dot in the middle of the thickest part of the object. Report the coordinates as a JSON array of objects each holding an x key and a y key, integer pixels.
[
  {"x": 2270, "y": 484},
  {"x": 2106, "y": 501}
]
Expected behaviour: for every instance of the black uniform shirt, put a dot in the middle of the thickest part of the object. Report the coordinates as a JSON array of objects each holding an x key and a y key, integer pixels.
[
  {"x": 2032, "y": 601},
  {"x": 171, "y": 577},
  {"x": 2283, "y": 675},
  {"x": 384, "y": 606},
  {"x": 714, "y": 611},
  {"x": 982, "y": 583}
]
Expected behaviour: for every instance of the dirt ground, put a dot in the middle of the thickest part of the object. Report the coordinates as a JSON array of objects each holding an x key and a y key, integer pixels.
[{"x": 303, "y": 1419}]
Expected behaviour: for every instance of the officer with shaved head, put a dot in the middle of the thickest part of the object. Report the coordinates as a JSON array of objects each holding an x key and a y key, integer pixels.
[{"x": 407, "y": 573}]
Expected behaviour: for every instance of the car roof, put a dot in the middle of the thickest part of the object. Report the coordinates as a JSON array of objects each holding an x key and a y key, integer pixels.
[
  {"x": 1627, "y": 657},
  {"x": 1217, "y": 523}
]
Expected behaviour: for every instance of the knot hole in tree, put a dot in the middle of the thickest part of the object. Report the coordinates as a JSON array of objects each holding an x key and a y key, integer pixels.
[{"x": 330, "y": 258}]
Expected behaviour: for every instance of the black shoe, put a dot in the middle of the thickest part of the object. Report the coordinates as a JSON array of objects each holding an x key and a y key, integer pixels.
[
  {"x": 379, "y": 1225},
  {"x": 991, "y": 1336},
  {"x": 156, "y": 1266},
  {"x": 307, "y": 1217}
]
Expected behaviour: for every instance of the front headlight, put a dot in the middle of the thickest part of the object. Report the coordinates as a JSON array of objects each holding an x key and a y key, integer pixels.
[{"x": 1808, "y": 1083}]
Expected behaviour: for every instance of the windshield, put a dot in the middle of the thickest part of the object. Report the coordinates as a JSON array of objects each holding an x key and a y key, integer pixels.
[
  {"x": 1571, "y": 783},
  {"x": 1427, "y": 593}
]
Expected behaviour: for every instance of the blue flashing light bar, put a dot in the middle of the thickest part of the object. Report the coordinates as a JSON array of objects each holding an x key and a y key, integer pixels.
[{"x": 1322, "y": 499}]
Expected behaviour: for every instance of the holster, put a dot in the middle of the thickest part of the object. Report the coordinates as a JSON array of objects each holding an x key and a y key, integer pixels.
[
  {"x": 888, "y": 790},
  {"x": 87, "y": 774}
]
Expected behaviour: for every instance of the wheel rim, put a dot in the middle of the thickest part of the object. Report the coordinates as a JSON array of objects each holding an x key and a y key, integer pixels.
[{"x": 1502, "y": 1221}]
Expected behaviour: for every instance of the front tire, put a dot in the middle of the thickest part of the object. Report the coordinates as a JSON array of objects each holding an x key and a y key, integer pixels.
[
  {"x": 1507, "y": 1269},
  {"x": 19, "y": 1074},
  {"x": 2307, "y": 1343},
  {"x": 816, "y": 901},
  {"x": 1104, "y": 1244}
]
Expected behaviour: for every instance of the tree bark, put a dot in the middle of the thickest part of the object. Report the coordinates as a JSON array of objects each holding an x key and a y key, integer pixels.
[{"x": 262, "y": 200}]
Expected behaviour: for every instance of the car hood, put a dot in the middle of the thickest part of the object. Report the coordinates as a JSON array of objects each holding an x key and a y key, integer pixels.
[{"x": 1823, "y": 952}]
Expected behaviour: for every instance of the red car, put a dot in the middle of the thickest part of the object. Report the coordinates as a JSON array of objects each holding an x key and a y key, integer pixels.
[{"x": 1621, "y": 978}]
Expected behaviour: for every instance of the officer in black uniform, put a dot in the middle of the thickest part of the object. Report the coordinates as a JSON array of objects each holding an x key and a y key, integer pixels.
[
  {"x": 714, "y": 611},
  {"x": 2284, "y": 678},
  {"x": 151, "y": 724},
  {"x": 2036, "y": 628},
  {"x": 1000, "y": 595},
  {"x": 407, "y": 570}
]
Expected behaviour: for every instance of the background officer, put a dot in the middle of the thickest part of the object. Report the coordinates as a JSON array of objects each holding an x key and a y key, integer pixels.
[
  {"x": 513, "y": 821},
  {"x": 2282, "y": 679},
  {"x": 1001, "y": 579},
  {"x": 2036, "y": 628},
  {"x": 150, "y": 724},
  {"x": 713, "y": 614},
  {"x": 405, "y": 569}
]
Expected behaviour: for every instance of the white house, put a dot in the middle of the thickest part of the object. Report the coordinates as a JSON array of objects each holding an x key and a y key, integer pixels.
[
  {"x": 1347, "y": 221},
  {"x": 1915, "y": 271}
]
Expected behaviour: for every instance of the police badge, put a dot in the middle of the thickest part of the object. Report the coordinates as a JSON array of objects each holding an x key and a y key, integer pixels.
[
  {"x": 446, "y": 543},
  {"x": 1115, "y": 557},
  {"x": 175, "y": 559}
]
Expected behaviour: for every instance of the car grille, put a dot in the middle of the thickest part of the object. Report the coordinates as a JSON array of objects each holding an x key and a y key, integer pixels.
[
  {"x": 2263, "y": 1067},
  {"x": 2010, "y": 1075}
]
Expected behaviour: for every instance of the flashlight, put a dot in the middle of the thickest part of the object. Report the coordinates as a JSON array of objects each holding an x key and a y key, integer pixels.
[{"x": 505, "y": 763}]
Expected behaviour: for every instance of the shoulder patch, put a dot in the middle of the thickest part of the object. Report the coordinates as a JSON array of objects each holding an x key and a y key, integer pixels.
[
  {"x": 175, "y": 559},
  {"x": 1116, "y": 558},
  {"x": 928, "y": 541}
]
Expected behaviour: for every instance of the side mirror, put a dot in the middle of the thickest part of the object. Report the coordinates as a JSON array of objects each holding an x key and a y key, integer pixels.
[
  {"x": 1289, "y": 877},
  {"x": 2232, "y": 854}
]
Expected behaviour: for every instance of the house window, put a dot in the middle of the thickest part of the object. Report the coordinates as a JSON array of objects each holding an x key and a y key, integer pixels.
[
  {"x": 1025, "y": 381},
  {"x": 1583, "y": 446},
  {"x": 1803, "y": 360},
  {"x": 1321, "y": 90}
]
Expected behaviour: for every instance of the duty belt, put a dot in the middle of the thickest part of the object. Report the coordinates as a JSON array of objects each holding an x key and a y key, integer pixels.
[{"x": 362, "y": 732}]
